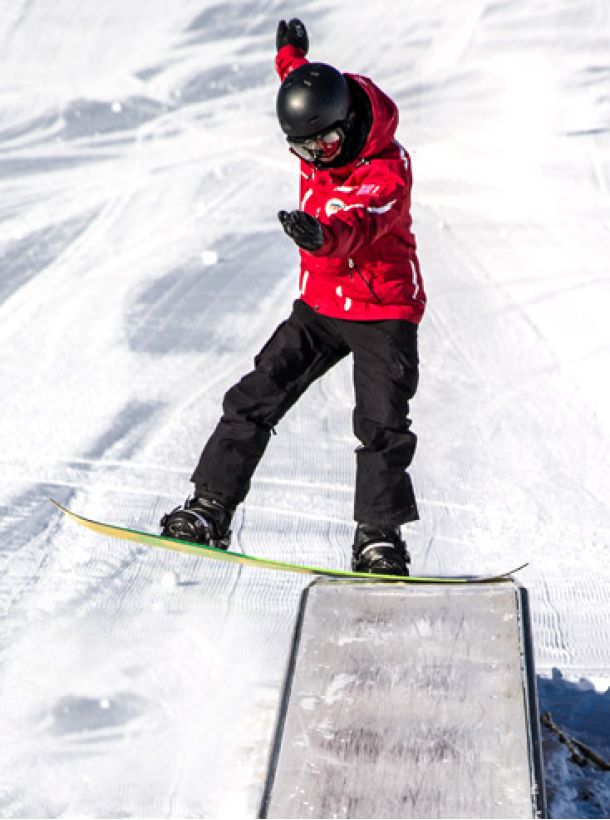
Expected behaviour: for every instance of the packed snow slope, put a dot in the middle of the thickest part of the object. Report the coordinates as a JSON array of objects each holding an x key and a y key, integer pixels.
[{"x": 142, "y": 267}]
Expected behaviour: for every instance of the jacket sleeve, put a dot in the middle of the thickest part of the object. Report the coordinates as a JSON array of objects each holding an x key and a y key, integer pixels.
[
  {"x": 376, "y": 206},
  {"x": 287, "y": 59}
]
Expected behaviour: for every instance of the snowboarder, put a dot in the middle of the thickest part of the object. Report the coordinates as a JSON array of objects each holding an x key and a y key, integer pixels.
[{"x": 361, "y": 292}]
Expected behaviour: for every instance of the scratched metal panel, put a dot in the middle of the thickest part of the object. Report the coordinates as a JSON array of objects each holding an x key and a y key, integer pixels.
[{"x": 405, "y": 701}]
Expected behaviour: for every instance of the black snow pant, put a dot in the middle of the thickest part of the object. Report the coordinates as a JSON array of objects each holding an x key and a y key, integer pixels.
[{"x": 302, "y": 349}]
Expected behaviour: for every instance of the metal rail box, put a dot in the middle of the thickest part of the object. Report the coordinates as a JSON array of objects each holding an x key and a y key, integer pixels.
[{"x": 408, "y": 701}]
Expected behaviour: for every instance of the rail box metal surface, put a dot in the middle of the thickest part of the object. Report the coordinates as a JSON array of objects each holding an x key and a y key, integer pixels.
[{"x": 408, "y": 701}]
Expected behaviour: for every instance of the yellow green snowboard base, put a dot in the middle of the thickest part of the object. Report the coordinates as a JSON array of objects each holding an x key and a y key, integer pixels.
[{"x": 203, "y": 551}]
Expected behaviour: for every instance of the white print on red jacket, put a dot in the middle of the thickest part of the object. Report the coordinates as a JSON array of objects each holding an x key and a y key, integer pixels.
[{"x": 367, "y": 267}]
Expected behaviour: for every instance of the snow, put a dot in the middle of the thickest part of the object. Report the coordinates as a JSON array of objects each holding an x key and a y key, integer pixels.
[{"x": 142, "y": 267}]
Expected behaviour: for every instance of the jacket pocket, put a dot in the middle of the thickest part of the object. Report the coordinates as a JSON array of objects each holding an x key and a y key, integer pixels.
[{"x": 366, "y": 279}]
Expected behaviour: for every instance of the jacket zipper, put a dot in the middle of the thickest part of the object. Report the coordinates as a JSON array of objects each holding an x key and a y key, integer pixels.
[{"x": 352, "y": 266}]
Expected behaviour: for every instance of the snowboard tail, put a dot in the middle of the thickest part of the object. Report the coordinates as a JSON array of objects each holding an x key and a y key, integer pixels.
[{"x": 204, "y": 551}]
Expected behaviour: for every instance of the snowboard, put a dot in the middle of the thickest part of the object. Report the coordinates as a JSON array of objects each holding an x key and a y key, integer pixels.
[{"x": 203, "y": 551}]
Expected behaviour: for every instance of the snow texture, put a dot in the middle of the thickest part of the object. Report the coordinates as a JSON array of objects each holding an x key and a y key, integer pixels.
[{"x": 142, "y": 267}]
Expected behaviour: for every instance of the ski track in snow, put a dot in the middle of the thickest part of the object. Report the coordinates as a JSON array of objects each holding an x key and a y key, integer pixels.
[{"x": 142, "y": 267}]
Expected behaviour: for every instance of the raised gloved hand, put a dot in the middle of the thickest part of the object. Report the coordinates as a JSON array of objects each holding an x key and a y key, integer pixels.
[
  {"x": 292, "y": 33},
  {"x": 304, "y": 229}
]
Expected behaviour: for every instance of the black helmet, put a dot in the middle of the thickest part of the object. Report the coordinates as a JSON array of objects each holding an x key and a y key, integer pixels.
[{"x": 311, "y": 99}]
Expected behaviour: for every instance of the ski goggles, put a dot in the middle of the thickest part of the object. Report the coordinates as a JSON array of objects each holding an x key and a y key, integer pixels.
[{"x": 325, "y": 146}]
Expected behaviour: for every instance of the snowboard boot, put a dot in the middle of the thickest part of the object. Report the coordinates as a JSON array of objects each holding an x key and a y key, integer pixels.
[
  {"x": 380, "y": 550},
  {"x": 201, "y": 520}
]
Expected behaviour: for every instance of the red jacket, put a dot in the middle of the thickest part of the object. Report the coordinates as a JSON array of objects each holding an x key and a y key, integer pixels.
[{"x": 367, "y": 268}]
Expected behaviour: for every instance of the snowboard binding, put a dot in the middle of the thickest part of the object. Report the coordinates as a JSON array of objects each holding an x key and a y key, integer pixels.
[
  {"x": 380, "y": 550},
  {"x": 201, "y": 520}
]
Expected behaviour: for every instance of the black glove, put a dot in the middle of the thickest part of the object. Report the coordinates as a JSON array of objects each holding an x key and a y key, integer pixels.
[
  {"x": 305, "y": 230},
  {"x": 292, "y": 33}
]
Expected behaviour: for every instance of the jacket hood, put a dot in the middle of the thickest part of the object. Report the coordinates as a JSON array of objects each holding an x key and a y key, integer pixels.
[{"x": 385, "y": 117}]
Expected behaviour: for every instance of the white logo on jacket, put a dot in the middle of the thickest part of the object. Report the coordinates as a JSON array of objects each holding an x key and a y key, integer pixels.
[{"x": 333, "y": 205}]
